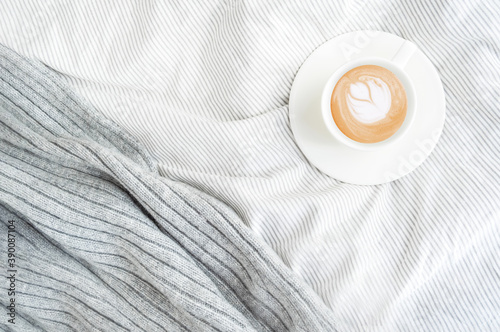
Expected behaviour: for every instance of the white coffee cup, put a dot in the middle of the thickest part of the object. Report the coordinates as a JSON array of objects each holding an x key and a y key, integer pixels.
[{"x": 395, "y": 65}]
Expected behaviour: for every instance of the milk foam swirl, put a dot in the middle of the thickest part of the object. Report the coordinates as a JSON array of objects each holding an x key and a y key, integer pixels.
[
  {"x": 369, "y": 104},
  {"x": 369, "y": 100}
]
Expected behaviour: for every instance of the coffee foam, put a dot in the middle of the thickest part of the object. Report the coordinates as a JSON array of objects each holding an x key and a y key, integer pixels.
[{"x": 369, "y": 104}]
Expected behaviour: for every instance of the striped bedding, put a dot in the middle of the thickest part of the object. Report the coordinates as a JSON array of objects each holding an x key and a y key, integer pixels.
[{"x": 204, "y": 86}]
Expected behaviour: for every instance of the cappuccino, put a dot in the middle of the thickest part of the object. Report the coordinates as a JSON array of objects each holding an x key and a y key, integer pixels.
[{"x": 369, "y": 104}]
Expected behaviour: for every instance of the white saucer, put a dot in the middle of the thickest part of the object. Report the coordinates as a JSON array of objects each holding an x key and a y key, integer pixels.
[{"x": 351, "y": 165}]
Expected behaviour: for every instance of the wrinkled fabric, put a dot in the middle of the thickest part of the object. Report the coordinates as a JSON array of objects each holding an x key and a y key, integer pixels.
[{"x": 204, "y": 85}]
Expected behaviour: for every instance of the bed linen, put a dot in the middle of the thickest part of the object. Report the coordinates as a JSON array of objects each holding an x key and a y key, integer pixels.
[{"x": 204, "y": 86}]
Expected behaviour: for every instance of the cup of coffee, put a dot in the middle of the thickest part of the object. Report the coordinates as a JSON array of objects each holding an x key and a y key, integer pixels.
[{"x": 370, "y": 103}]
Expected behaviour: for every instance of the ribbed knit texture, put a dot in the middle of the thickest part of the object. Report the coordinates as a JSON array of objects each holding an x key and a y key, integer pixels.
[
  {"x": 204, "y": 85},
  {"x": 104, "y": 243}
]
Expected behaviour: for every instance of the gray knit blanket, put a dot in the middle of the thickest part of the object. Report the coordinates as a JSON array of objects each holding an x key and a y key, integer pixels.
[{"x": 101, "y": 242}]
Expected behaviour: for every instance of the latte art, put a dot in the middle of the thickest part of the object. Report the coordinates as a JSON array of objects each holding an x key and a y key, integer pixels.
[
  {"x": 369, "y": 104},
  {"x": 369, "y": 100}
]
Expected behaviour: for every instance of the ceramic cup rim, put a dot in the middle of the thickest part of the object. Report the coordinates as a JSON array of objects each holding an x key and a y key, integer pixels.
[{"x": 410, "y": 96}]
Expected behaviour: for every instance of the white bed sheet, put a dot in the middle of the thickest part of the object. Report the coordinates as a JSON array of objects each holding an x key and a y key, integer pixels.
[{"x": 204, "y": 86}]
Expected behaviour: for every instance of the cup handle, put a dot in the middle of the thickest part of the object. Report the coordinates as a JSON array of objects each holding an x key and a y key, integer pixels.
[{"x": 405, "y": 52}]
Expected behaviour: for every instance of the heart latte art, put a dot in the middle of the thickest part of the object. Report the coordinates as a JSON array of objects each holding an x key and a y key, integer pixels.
[{"x": 369, "y": 104}]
